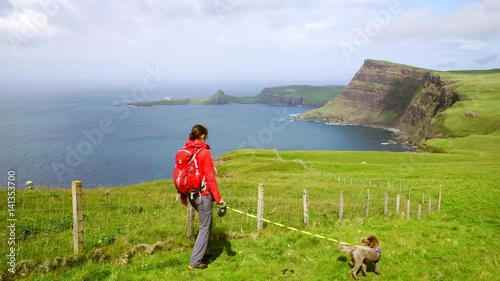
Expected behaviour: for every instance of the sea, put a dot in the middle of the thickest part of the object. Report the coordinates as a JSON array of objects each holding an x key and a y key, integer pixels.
[{"x": 54, "y": 135}]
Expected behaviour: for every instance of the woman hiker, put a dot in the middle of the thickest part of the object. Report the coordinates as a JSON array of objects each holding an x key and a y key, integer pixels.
[{"x": 202, "y": 200}]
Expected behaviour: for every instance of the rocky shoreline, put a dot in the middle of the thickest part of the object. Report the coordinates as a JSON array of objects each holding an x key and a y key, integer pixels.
[{"x": 400, "y": 136}]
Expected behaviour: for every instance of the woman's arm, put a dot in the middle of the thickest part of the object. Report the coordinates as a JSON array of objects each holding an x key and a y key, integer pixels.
[{"x": 209, "y": 170}]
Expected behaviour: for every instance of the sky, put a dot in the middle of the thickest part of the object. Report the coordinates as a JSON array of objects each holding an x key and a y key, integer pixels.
[{"x": 249, "y": 40}]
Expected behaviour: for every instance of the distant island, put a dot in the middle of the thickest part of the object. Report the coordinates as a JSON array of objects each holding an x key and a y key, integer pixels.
[{"x": 293, "y": 95}]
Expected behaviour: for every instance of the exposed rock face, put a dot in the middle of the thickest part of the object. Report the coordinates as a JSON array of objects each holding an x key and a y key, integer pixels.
[
  {"x": 385, "y": 94},
  {"x": 219, "y": 98},
  {"x": 286, "y": 100},
  {"x": 271, "y": 98},
  {"x": 472, "y": 114}
]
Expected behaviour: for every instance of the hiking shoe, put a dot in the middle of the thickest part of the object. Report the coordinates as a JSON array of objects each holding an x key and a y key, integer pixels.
[
  {"x": 207, "y": 254},
  {"x": 200, "y": 266}
]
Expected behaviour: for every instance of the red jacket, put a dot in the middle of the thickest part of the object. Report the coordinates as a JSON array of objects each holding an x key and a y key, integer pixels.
[{"x": 207, "y": 168}]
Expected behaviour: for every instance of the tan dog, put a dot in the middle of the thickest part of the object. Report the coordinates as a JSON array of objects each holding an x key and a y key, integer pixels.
[{"x": 361, "y": 255}]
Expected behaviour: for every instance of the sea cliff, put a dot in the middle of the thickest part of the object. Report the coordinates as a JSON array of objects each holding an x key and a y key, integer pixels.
[{"x": 390, "y": 95}]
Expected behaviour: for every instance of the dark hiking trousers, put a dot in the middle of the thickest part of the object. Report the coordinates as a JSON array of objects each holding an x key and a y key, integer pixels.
[{"x": 202, "y": 204}]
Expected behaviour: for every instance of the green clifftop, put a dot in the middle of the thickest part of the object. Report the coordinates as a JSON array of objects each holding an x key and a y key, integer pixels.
[
  {"x": 413, "y": 100},
  {"x": 293, "y": 95},
  {"x": 218, "y": 98},
  {"x": 303, "y": 95}
]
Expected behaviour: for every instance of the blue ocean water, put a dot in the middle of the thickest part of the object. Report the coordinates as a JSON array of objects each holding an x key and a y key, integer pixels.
[{"x": 96, "y": 138}]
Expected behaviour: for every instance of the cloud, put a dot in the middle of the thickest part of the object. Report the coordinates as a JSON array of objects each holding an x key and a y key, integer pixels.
[
  {"x": 318, "y": 25},
  {"x": 471, "y": 45},
  {"x": 486, "y": 60},
  {"x": 5, "y": 6},
  {"x": 476, "y": 21},
  {"x": 244, "y": 38},
  {"x": 23, "y": 19},
  {"x": 446, "y": 65},
  {"x": 30, "y": 22},
  {"x": 254, "y": 4}
]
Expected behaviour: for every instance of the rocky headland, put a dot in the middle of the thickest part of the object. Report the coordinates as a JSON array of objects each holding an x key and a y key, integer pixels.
[{"x": 393, "y": 96}]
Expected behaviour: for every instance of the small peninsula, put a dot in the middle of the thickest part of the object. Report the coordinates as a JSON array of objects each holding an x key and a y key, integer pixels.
[{"x": 293, "y": 95}]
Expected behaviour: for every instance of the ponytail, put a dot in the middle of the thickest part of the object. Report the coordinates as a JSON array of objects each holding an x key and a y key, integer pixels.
[{"x": 197, "y": 131}]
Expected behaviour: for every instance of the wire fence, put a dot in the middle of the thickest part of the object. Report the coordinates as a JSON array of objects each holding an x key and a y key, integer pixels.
[
  {"x": 322, "y": 206},
  {"x": 45, "y": 218}
]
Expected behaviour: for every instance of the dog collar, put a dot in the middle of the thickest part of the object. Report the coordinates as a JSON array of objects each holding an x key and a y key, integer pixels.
[{"x": 378, "y": 251}]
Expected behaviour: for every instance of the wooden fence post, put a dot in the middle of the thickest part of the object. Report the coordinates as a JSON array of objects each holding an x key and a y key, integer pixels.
[
  {"x": 367, "y": 203},
  {"x": 408, "y": 209},
  {"x": 386, "y": 203},
  {"x": 419, "y": 210},
  {"x": 306, "y": 207},
  {"x": 260, "y": 208},
  {"x": 341, "y": 205},
  {"x": 430, "y": 206},
  {"x": 398, "y": 199},
  {"x": 76, "y": 191},
  {"x": 190, "y": 222},
  {"x": 439, "y": 199}
]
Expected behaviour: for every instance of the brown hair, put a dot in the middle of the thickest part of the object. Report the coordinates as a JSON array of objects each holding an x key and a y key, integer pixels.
[{"x": 197, "y": 131}]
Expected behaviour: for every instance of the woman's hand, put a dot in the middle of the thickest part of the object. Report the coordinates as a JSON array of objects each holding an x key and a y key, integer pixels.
[
  {"x": 221, "y": 208},
  {"x": 184, "y": 201}
]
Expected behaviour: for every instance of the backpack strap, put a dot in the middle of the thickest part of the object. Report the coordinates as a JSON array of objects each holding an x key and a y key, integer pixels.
[{"x": 193, "y": 159}]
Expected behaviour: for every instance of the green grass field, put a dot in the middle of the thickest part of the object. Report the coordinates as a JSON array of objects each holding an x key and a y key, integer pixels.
[{"x": 458, "y": 243}]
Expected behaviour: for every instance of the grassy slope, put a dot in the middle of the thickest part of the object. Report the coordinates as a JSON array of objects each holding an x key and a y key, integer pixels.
[
  {"x": 450, "y": 245},
  {"x": 313, "y": 95},
  {"x": 475, "y": 135}
]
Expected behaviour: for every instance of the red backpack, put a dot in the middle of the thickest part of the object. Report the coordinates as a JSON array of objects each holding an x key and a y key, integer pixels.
[{"x": 187, "y": 175}]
